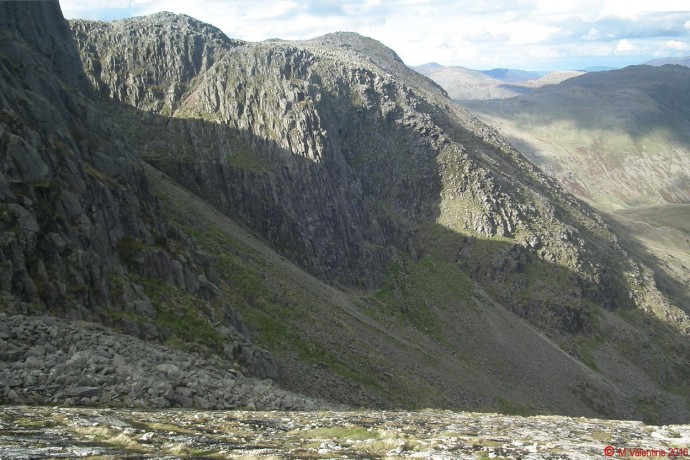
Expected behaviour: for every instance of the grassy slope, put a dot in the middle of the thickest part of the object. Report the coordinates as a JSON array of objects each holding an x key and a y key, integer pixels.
[
  {"x": 428, "y": 338},
  {"x": 660, "y": 236}
]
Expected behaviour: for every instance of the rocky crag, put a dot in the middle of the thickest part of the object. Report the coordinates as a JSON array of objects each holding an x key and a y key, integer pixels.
[
  {"x": 81, "y": 232},
  {"x": 393, "y": 251}
]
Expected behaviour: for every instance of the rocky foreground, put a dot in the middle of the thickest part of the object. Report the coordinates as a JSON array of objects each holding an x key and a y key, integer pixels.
[{"x": 53, "y": 432}]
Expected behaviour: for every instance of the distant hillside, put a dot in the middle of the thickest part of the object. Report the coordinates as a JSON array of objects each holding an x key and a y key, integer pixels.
[
  {"x": 599, "y": 68},
  {"x": 617, "y": 139},
  {"x": 552, "y": 78},
  {"x": 465, "y": 84},
  {"x": 684, "y": 61},
  {"x": 513, "y": 75}
]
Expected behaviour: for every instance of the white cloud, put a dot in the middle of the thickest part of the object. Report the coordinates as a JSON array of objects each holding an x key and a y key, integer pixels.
[
  {"x": 676, "y": 45},
  {"x": 473, "y": 33},
  {"x": 269, "y": 11},
  {"x": 592, "y": 34},
  {"x": 624, "y": 46},
  {"x": 526, "y": 33}
]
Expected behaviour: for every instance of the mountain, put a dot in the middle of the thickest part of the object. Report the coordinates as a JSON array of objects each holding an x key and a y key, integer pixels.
[
  {"x": 83, "y": 238},
  {"x": 465, "y": 84},
  {"x": 684, "y": 61},
  {"x": 429, "y": 66},
  {"x": 617, "y": 139},
  {"x": 551, "y": 78},
  {"x": 513, "y": 75},
  {"x": 599, "y": 68},
  {"x": 381, "y": 246},
  {"x": 462, "y": 83}
]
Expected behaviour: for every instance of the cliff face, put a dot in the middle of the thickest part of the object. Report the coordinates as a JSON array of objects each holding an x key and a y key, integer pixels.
[
  {"x": 324, "y": 147},
  {"x": 82, "y": 235},
  {"x": 334, "y": 151}
]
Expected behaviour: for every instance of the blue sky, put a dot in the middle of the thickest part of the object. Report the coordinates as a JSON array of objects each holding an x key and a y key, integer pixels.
[{"x": 478, "y": 34}]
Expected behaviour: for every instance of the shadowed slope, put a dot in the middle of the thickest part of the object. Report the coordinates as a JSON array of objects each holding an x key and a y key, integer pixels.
[{"x": 365, "y": 175}]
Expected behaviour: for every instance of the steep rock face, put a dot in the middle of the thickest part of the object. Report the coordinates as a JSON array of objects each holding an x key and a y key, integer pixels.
[
  {"x": 337, "y": 154},
  {"x": 157, "y": 71},
  {"x": 323, "y": 148},
  {"x": 81, "y": 235},
  {"x": 37, "y": 26},
  {"x": 57, "y": 213}
]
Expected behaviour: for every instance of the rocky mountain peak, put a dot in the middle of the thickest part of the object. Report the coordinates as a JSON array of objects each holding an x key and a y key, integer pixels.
[
  {"x": 365, "y": 46},
  {"x": 150, "y": 60},
  {"x": 166, "y": 21}
]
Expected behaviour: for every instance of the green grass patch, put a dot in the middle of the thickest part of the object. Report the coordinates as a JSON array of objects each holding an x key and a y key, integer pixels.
[
  {"x": 339, "y": 433},
  {"x": 602, "y": 436},
  {"x": 243, "y": 157},
  {"x": 585, "y": 346},
  {"x": 128, "y": 248},
  {"x": 648, "y": 408},
  {"x": 36, "y": 423},
  {"x": 182, "y": 314},
  {"x": 508, "y": 407},
  {"x": 417, "y": 292}
]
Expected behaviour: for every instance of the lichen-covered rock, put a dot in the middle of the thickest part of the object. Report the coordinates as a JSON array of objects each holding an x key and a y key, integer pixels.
[{"x": 79, "y": 432}]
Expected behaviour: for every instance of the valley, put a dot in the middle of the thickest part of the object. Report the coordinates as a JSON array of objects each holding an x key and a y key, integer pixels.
[{"x": 615, "y": 139}]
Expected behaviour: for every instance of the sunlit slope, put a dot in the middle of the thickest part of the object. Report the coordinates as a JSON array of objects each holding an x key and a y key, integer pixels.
[{"x": 616, "y": 139}]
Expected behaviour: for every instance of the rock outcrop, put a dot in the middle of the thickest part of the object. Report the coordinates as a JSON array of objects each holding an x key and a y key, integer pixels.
[{"x": 80, "y": 231}]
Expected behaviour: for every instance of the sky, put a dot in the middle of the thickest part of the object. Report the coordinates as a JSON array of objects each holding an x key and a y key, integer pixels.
[{"x": 477, "y": 34}]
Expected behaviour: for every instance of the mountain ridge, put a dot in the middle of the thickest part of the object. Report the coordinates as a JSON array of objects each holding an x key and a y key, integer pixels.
[
  {"x": 326, "y": 129},
  {"x": 400, "y": 250}
]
